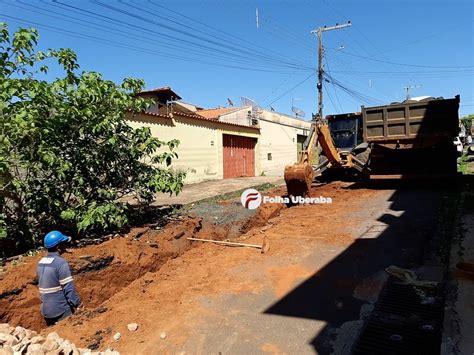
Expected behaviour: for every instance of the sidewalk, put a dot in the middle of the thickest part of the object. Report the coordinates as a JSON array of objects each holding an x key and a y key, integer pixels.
[
  {"x": 459, "y": 318},
  {"x": 200, "y": 191}
]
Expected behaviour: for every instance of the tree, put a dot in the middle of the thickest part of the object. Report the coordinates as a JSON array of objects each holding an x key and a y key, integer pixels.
[
  {"x": 467, "y": 121},
  {"x": 67, "y": 155}
]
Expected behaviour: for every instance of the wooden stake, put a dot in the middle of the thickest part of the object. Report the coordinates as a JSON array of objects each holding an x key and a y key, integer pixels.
[{"x": 264, "y": 247}]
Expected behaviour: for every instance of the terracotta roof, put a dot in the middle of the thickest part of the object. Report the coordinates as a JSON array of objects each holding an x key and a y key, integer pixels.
[
  {"x": 202, "y": 118},
  {"x": 163, "y": 91},
  {"x": 214, "y": 113}
]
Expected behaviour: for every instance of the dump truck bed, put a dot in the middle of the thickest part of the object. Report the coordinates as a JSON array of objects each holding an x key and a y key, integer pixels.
[
  {"x": 412, "y": 139},
  {"x": 414, "y": 123}
]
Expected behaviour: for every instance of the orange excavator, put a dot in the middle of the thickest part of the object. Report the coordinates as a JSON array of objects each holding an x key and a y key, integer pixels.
[{"x": 299, "y": 176}]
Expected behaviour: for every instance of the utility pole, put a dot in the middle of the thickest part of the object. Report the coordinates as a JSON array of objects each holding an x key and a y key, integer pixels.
[
  {"x": 407, "y": 88},
  {"x": 319, "y": 32}
]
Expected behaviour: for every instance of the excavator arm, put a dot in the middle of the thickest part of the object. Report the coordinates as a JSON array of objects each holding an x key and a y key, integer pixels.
[{"x": 299, "y": 176}]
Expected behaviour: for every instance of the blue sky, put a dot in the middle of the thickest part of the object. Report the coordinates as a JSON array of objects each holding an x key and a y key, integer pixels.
[{"x": 208, "y": 51}]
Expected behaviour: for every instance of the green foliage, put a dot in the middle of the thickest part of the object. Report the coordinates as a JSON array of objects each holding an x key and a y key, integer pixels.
[
  {"x": 467, "y": 121},
  {"x": 67, "y": 155}
]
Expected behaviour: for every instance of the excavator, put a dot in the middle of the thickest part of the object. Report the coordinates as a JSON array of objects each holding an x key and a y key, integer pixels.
[
  {"x": 299, "y": 176},
  {"x": 412, "y": 139}
]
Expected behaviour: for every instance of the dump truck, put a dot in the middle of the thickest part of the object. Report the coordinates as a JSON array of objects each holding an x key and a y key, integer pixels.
[{"x": 411, "y": 139}]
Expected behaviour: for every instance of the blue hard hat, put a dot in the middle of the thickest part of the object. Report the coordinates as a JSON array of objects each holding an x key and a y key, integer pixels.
[{"x": 54, "y": 238}]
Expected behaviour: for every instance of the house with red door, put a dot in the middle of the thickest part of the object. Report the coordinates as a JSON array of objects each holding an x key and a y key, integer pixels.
[{"x": 223, "y": 142}]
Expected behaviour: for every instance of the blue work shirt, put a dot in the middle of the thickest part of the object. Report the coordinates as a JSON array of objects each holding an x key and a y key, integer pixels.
[{"x": 56, "y": 286}]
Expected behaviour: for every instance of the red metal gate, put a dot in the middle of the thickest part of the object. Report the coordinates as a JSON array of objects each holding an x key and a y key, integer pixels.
[{"x": 239, "y": 156}]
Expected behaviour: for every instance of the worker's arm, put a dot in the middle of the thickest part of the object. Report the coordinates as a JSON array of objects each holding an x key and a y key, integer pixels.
[{"x": 66, "y": 282}]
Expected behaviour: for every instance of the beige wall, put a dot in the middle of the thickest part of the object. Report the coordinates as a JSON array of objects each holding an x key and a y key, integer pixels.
[
  {"x": 280, "y": 141},
  {"x": 240, "y": 117},
  {"x": 200, "y": 151}
]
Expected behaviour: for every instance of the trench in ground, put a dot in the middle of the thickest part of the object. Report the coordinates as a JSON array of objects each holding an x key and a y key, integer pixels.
[{"x": 100, "y": 271}]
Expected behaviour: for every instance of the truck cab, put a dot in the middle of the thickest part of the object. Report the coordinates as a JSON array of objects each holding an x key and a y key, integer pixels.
[{"x": 346, "y": 130}]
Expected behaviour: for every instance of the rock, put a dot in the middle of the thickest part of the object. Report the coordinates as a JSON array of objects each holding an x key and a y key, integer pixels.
[
  {"x": 37, "y": 339},
  {"x": 5, "y": 328},
  {"x": 117, "y": 336},
  {"x": 19, "y": 348},
  {"x": 138, "y": 232},
  {"x": 6, "y": 351},
  {"x": 51, "y": 343},
  {"x": 54, "y": 352},
  {"x": 5, "y": 337},
  {"x": 132, "y": 327},
  {"x": 33, "y": 348},
  {"x": 179, "y": 235},
  {"x": 66, "y": 347},
  {"x": 20, "y": 333},
  {"x": 30, "y": 333},
  {"x": 163, "y": 335},
  {"x": 8, "y": 340},
  {"x": 53, "y": 336}
]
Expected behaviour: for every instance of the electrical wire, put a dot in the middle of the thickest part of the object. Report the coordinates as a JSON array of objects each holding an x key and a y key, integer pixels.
[
  {"x": 126, "y": 34},
  {"x": 169, "y": 39},
  {"x": 352, "y": 92},
  {"x": 406, "y": 64},
  {"x": 219, "y": 44},
  {"x": 333, "y": 87},
  {"x": 291, "y": 89},
  {"x": 330, "y": 98},
  {"x": 131, "y": 47},
  {"x": 217, "y": 29}
]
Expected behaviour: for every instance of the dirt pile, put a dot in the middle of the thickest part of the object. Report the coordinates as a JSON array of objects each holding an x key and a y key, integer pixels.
[
  {"x": 160, "y": 280},
  {"x": 19, "y": 340},
  {"x": 100, "y": 271}
]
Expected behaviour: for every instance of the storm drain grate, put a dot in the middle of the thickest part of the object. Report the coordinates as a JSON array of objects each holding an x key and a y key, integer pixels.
[{"x": 403, "y": 322}]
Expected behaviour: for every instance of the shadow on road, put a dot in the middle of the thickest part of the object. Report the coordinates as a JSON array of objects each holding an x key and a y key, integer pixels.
[{"x": 399, "y": 237}]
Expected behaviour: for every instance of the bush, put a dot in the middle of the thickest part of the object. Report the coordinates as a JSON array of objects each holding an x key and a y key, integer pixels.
[{"x": 67, "y": 154}]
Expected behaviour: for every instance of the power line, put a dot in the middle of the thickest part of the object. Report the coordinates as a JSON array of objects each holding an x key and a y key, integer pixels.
[
  {"x": 190, "y": 34},
  {"x": 130, "y": 47},
  {"x": 405, "y": 64},
  {"x": 330, "y": 98},
  {"x": 352, "y": 92},
  {"x": 335, "y": 93},
  {"x": 286, "y": 33},
  {"x": 366, "y": 39},
  {"x": 165, "y": 37},
  {"x": 277, "y": 88},
  {"x": 126, "y": 34},
  {"x": 216, "y": 29},
  {"x": 292, "y": 88}
]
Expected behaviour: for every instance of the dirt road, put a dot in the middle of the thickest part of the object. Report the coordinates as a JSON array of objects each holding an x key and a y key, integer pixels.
[{"x": 309, "y": 293}]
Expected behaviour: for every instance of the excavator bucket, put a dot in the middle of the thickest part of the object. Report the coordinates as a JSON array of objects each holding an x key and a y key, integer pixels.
[{"x": 298, "y": 179}]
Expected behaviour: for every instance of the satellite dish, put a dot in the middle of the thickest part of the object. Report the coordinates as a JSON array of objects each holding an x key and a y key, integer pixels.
[
  {"x": 230, "y": 102},
  {"x": 297, "y": 111},
  {"x": 249, "y": 102}
]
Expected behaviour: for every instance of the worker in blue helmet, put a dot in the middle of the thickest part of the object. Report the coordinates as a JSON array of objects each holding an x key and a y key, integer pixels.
[{"x": 59, "y": 298}]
